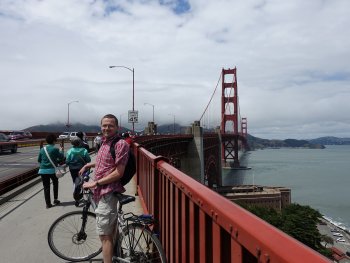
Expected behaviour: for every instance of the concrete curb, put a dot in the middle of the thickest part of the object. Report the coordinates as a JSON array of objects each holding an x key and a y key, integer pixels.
[{"x": 18, "y": 190}]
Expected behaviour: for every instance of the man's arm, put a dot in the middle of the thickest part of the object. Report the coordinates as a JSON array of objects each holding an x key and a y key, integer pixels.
[
  {"x": 86, "y": 167},
  {"x": 112, "y": 177}
]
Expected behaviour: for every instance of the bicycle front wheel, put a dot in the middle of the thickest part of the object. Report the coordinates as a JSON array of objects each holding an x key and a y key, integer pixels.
[
  {"x": 138, "y": 244},
  {"x": 69, "y": 240}
]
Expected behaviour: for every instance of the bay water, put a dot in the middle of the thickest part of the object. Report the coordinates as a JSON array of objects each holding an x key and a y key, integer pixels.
[{"x": 319, "y": 178}]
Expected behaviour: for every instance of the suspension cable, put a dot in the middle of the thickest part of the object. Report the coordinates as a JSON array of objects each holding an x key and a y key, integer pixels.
[{"x": 211, "y": 98}]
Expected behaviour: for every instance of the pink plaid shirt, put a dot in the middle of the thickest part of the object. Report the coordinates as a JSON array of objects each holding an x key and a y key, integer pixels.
[{"x": 105, "y": 164}]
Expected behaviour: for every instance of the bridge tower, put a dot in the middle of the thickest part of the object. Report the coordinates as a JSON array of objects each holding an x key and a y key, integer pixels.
[{"x": 229, "y": 115}]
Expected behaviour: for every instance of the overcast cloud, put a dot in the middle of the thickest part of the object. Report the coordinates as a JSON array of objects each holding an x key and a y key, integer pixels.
[{"x": 292, "y": 59}]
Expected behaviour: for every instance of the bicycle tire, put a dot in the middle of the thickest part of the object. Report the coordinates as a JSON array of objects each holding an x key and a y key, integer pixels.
[
  {"x": 139, "y": 244},
  {"x": 64, "y": 241}
]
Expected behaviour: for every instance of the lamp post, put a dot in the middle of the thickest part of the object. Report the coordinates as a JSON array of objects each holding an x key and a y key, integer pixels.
[
  {"x": 133, "y": 91},
  {"x": 174, "y": 122},
  {"x": 146, "y": 103},
  {"x": 69, "y": 103}
]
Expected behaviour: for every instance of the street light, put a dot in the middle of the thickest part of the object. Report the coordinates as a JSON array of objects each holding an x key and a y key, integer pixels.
[
  {"x": 133, "y": 91},
  {"x": 146, "y": 103},
  {"x": 174, "y": 122},
  {"x": 69, "y": 103}
]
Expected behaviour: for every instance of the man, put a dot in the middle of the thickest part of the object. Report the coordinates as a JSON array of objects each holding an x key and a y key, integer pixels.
[{"x": 107, "y": 174}]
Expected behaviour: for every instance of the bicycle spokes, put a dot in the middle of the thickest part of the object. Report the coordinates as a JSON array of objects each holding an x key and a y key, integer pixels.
[{"x": 138, "y": 245}]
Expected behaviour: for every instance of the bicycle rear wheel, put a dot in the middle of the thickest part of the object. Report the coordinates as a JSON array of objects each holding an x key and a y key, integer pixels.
[
  {"x": 139, "y": 244},
  {"x": 70, "y": 242}
]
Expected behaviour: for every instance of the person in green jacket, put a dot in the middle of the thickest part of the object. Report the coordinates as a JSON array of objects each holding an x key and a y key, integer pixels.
[
  {"x": 46, "y": 169},
  {"x": 77, "y": 157}
]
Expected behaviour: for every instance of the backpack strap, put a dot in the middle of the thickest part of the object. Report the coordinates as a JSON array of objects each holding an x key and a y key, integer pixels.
[{"x": 112, "y": 148}]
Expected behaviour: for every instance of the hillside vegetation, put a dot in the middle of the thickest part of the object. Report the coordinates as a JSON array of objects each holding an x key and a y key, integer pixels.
[{"x": 257, "y": 143}]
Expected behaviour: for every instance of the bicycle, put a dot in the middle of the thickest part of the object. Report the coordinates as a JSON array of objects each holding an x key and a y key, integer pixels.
[{"x": 73, "y": 235}]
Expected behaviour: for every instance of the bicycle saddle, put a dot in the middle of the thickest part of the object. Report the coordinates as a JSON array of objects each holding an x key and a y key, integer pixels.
[{"x": 125, "y": 199}]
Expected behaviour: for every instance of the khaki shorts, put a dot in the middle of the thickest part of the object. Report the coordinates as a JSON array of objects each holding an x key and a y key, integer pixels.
[{"x": 106, "y": 214}]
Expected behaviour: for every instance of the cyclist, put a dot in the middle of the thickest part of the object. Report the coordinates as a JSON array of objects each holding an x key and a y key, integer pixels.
[
  {"x": 107, "y": 174},
  {"x": 77, "y": 157}
]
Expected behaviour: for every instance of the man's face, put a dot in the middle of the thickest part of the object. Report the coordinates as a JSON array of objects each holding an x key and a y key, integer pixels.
[{"x": 108, "y": 127}]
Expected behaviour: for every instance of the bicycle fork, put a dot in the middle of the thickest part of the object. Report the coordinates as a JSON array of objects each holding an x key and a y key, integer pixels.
[{"x": 82, "y": 235}]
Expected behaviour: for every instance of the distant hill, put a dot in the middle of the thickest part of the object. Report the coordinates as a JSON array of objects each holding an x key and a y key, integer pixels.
[
  {"x": 331, "y": 141},
  {"x": 60, "y": 127},
  {"x": 258, "y": 143}
]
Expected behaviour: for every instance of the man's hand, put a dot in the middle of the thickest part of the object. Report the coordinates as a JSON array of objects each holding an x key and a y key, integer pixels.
[
  {"x": 91, "y": 184},
  {"x": 85, "y": 167},
  {"x": 82, "y": 170}
]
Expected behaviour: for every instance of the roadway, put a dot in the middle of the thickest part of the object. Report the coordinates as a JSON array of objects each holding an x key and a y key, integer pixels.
[
  {"x": 16, "y": 163},
  {"x": 25, "y": 221},
  {"x": 12, "y": 164}
]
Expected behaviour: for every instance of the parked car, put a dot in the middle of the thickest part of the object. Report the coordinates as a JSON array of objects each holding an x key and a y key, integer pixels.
[
  {"x": 17, "y": 135},
  {"x": 70, "y": 135},
  {"x": 73, "y": 135},
  {"x": 341, "y": 240},
  {"x": 337, "y": 234},
  {"x": 28, "y": 135},
  {"x": 64, "y": 135},
  {"x": 6, "y": 144}
]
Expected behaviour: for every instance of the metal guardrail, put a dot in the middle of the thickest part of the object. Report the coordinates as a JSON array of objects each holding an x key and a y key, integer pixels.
[
  {"x": 9, "y": 184},
  {"x": 198, "y": 225}
]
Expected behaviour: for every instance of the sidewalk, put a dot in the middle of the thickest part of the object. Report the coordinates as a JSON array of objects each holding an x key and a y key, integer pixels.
[{"x": 25, "y": 221}]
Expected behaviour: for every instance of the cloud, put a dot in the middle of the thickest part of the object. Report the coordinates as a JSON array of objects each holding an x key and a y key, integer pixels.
[{"x": 291, "y": 58}]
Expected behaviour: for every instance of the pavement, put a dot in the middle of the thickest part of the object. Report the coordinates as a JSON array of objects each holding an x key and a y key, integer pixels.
[{"x": 25, "y": 221}]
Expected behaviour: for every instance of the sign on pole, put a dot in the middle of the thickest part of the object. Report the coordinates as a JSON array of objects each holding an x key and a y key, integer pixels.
[{"x": 133, "y": 116}]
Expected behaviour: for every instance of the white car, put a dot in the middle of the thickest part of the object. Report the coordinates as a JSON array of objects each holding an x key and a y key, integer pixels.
[
  {"x": 70, "y": 135},
  {"x": 64, "y": 135},
  {"x": 337, "y": 234},
  {"x": 73, "y": 135},
  {"x": 341, "y": 240}
]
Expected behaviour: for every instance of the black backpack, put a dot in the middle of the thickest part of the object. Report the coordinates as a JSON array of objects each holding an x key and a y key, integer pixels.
[{"x": 130, "y": 168}]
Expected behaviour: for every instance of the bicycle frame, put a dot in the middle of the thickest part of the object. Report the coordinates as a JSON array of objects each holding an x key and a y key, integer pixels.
[{"x": 87, "y": 203}]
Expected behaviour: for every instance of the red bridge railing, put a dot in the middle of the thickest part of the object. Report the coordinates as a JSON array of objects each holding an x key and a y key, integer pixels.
[{"x": 198, "y": 225}]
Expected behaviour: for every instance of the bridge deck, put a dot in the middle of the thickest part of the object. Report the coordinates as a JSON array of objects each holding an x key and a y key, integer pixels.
[{"x": 25, "y": 221}]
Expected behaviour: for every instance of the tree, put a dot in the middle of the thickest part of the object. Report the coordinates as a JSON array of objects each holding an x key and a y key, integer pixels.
[
  {"x": 327, "y": 240},
  {"x": 295, "y": 220}
]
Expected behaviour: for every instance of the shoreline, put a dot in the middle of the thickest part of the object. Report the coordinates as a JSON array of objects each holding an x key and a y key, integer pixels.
[
  {"x": 327, "y": 227},
  {"x": 336, "y": 224}
]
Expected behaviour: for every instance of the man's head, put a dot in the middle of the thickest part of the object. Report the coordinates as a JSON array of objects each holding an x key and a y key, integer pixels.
[
  {"x": 80, "y": 135},
  {"x": 51, "y": 138},
  {"x": 75, "y": 142},
  {"x": 109, "y": 125}
]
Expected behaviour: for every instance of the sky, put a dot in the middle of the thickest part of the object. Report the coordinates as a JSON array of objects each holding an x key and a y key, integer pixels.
[{"x": 292, "y": 59}]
